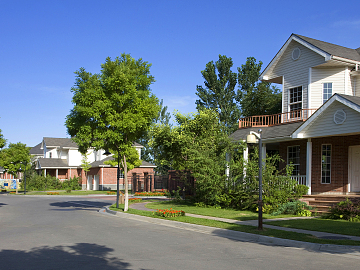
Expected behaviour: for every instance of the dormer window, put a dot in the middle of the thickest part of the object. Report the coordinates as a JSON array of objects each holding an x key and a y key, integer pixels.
[
  {"x": 327, "y": 91},
  {"x": 50, "y": 155}
]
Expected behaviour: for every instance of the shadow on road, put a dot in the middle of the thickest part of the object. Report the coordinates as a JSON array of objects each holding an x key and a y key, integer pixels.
[
  {"x": 78, "y": 256},
  {"x": 2, "y": 204},
  {"x": 79, "y": 205}
]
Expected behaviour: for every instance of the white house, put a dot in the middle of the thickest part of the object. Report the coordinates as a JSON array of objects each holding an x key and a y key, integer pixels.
[
  {"x": 318, "y": 130},
  {"x": 62, "y": 159}
]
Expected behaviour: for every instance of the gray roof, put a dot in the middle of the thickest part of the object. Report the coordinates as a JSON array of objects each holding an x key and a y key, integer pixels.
[
  {"x": 68, "y": 142},
  {"x": 352, "y": 54},
  {"x": 52, "y": 163},
  {"x": 272, "y": 132},
  {"x": 36, "y": 150},
  {"x": 59, "y": 142},
  {"x": 353, "y": 99},
  {"x": 101, "y": 163}
]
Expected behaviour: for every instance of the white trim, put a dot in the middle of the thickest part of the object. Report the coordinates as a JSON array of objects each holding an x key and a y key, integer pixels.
[
  {"x": 309, "y": 88},
  {"x": 283, "y": 94},
  {"x": 338, "y": 58},
  {"x": 346, "y": 74},
  {"x": 335, "y": 97},
  {"x": 331, "y": 150},
  {"x": 326, "y": 55}
]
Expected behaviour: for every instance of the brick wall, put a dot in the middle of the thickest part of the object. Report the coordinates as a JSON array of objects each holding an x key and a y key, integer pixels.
[
  {"x": 339, "y": 162},
  {"x": 283, "y": 149}
]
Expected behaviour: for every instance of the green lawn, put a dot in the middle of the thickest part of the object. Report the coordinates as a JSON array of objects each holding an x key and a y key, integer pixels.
[
  {"x": 321, "y": 225},
  {"x": 213, "y": 212},
  {"x": 245, "y": 228}
]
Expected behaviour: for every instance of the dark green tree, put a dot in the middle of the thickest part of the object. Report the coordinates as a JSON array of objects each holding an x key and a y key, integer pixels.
[
  {"x": 2, "y": 140},
  {"x": 148, "y": 153},
  {"x": 196, "y": 145},
  {"x": 15, "y": 156},
  {"x": 218, "y": 93},
  {"x": 255, "y": 97},
  {"x": 113, "y": 109}
]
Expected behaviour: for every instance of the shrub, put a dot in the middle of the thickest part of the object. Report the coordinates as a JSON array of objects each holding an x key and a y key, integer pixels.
[
  {"x": 169, "y": 213},
  {"x": 347, "y": 210},
  {"x": 293, "y": 208},
  {"x": 68, "y": 191},
  {"x": 72, "y": 183}
]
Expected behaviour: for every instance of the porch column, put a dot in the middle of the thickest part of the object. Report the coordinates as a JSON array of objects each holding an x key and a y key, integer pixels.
[
  {"x": 246, "y": 157},
  {"x": 308, "y": 164},
  {"x": 44, "y": 172},
  {"x": 263, "y": 154},
  {"x": 57, "y": 173}
]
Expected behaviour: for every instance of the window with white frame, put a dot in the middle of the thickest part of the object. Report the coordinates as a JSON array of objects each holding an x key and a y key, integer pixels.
[
  {"x": 295, "y": 100},
  {"x": 294, "y": 158},
  {"x": 121, "y": 174},
  {"x": 327, "y": 91},
  {"x": 326, "y": 163}
]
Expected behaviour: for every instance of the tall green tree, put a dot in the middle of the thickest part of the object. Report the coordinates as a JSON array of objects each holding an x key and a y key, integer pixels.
[
  {"x": 85, "y": 163},
  {"x": 15, "y": 156},
  {"x": 255, "y": 97},
  {"x": 113, "y": 109},
  {"x": 2, "y": 140},
  {"x": 218, "y": 93},
  {"x": 148, "y": 153},
  {"x": 197, "y": 144}
]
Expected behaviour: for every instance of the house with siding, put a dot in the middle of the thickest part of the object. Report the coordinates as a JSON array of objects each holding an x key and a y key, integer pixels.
[
  {"x": 318, "y": 130},
  {"x": 62, "y": 159}
]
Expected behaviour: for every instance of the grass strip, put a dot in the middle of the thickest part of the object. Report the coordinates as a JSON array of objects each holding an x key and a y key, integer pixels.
[
  {"x": 245, "y": 228},
  {"x": 321, "y": 225},
  {"x": 209, "y": 211}
]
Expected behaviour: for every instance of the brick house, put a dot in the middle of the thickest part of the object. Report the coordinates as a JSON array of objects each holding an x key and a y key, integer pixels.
[
  {"x": 62, "y": 159},
  {"x": 318, "y": 130}
]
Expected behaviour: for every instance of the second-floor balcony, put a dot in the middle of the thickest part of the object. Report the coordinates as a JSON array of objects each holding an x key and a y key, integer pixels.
[{"x": 276, "y": 119}]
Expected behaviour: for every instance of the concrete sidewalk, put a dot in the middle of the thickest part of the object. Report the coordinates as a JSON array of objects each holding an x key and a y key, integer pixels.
[{"x": 323, "y": 235}]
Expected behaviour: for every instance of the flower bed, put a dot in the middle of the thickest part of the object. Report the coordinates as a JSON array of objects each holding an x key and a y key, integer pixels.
[
  {"x": 169, "y": 213},
  {"x": 53, "y": 193},
  {"x": 135, "y": 200},
  {"x": 12, "y": 192},
  {"x": 111, "y": 193},
  {"x": 149, "y": 194}
]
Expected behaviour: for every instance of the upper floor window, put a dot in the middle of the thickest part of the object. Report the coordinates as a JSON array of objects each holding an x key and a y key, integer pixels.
[
  {"x": 95, "y": 155},
  {"x": 50, "y": 155},
  {"x": 326, "y": 163},
  {"x": 327, "y": 91},
  {"x": 295, "y": 100},
  {"x": 294, "y": 158}
]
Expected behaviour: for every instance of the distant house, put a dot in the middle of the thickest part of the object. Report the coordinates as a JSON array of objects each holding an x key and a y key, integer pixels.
[
  {"x": 318, "y": 130},
  {"x": 62, "y": 159}
]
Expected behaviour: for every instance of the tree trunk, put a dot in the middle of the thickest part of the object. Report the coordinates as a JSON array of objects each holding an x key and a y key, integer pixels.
[{"x": 126, "y": 205}]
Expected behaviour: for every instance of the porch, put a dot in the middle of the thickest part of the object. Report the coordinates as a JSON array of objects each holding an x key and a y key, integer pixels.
[{"x": 276, "y": 119}]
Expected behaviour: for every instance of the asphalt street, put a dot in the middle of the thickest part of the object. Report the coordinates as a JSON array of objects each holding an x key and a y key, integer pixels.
[{"x": 70, "y": 233}]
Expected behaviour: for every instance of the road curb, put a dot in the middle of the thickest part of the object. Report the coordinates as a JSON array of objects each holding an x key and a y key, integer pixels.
[{"x": 242, "y": 236}]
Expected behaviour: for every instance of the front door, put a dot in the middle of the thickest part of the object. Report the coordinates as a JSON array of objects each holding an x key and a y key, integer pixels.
[{"x": 354, "y": 168}]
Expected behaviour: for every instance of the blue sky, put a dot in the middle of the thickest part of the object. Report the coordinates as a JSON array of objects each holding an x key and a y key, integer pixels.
[{"x": 44, "y": 42}]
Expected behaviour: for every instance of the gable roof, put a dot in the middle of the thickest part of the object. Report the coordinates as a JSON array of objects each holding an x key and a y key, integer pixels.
[
  {"x": 59, "y": 142},
  {"x": 352, "y": 102},
  {"x": 36, "y": 150},
  {"x": 333, "y": 49},
  {"x": 328, "y": 50}
]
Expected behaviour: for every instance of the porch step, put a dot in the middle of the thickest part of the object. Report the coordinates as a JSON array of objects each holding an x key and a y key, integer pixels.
[{"x": 322, "y": 203}]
